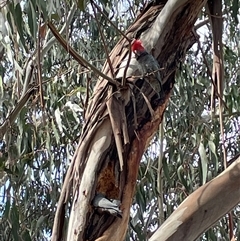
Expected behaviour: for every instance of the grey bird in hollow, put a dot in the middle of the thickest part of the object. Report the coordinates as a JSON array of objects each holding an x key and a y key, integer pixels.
[{"x": 103, "y": 204}]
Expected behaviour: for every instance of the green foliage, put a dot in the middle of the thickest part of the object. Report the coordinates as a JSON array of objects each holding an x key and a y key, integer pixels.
[
  {"x": 193, "y": 145},
  {"x": 38, "y": 145}
]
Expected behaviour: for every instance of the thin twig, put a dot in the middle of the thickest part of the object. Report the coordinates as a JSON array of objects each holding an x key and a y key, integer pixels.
[
  {"x": 87, "y": 96},
  {"x": 160, "y": 174},
  {"x": 13, "y": 114},
  {"x": 146, "y": 101},
  {"x": 78, "y": 58},
  {"x": 3, "y": 3},
  {"x": 123, "y": 34},
  {"x": 46, "y": 47},
  {"x": 218, "y": 72},
  {"x": 209, "y": 71},
  {"x": 127, "y": 65},
  {"x": 199, "y": 25},
  {"x": 103, "y": 42},
  {"x": 50, "y": 42},
  {"x": 134, "y": 109},
  {"x": 39, "y": 69}
]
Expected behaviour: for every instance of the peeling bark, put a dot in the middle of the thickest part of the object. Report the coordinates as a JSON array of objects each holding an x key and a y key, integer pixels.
[{"x": 119, "y": 124}]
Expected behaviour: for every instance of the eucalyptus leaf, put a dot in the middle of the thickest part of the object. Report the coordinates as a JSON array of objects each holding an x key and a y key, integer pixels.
[{"x": 204, "y": 162}]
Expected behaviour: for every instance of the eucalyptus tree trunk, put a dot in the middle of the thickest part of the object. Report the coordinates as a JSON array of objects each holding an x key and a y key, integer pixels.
[{"x": 121, "y": 120}]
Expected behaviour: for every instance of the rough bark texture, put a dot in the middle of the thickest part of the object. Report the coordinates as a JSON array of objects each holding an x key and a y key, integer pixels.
[{"x": 120, "y": 122}]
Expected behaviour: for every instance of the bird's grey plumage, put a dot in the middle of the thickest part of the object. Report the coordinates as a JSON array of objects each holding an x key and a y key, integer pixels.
[
  {"x": 103, "y": 204},
  {"x": 150, "y": 66}
]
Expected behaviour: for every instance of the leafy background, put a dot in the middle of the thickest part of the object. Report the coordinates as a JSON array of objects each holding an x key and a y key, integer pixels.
[{"x": 36, "y": 148}]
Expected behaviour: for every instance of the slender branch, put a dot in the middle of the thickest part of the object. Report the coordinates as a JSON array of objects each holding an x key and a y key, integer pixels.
[
  {"x": 127, "y": 65},
  {"x": 39, "y": 69},
  {"x": 209, "y": 71},
  {"x": 103, "y": 41},
  {"x": 199, "y": 25},
  {"x": 77, "y": 57},
  {"x": 214, "y": 9},
  {"x": 70, "y": 16},
  {"x": 230, "y": 162},
  {"x": 87, "y": 96},
  {"x": 13, "y": 114},
  {"x": 3, "y": 4},
  {"x": 160, "y": 174},
  {"x": 46, "y": 47},
  {"x": 122, "y": 33}
]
